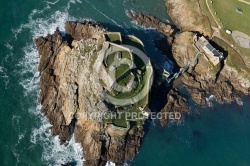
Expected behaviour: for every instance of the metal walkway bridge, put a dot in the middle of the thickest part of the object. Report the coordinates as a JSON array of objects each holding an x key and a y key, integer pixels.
[{"x": 176, "y": 75}]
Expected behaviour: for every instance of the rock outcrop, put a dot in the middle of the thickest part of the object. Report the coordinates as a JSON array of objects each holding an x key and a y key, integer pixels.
[
  {"x": 70, "y": 91},
  {"x": 202, "y": 78},
  {"x": 149, "y": 21},
  {"x": 187, "y": 15},
  {"x": 175, "y": 104}
]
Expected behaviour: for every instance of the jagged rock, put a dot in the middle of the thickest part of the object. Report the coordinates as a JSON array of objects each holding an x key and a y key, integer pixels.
[
  {"x": 84, "y": 30},
  {"x": 239, "y": 82},
  {"x": 187, "y": 15},
  {"x": 69, "y": 91},
  {"x": 150, "y": 21},
  {"x": 202, "y": 78},
  {"x": 175, "y": 103},
  {"x": 182, "y": 48}
]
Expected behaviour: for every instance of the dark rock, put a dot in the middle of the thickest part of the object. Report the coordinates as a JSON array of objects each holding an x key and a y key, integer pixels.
[{"x": 175, "y": 104}]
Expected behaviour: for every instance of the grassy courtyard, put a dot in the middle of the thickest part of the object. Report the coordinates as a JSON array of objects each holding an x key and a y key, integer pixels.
[
  {"x": 115, "y": 38},
  {"x": 121, "y": 70},
  {"x": 124, "y": 81}
]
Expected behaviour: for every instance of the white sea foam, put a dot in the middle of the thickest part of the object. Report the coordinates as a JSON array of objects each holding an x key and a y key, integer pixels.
[
  {"x": 209, "y": 100},
  {"x": 1, "y": 69},
  {"x": 15, "y": 122},
  {"x": 53, "y": 154},
  {"x": 9, "y": 46},
  {"x": 109, "y": 163},
  {"x": 52, "y": 3},
  {"x": 126, "y": 164},
  {"x": 73, "y": 1},
  {"x": 3, "y": 76},
  {"x": 79, "y": 1},
  {"x": 29, "y": 67}
]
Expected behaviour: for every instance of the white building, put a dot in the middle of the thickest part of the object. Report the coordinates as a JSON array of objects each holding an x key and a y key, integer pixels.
[{"x": 211, "y": 53}]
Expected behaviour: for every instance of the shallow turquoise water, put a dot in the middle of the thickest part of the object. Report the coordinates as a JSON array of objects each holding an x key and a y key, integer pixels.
[{"x": 25, "y": 138}]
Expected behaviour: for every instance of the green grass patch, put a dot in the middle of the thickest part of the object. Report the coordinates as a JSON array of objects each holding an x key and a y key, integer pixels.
[
  {"x": 121, "y": 70},
  {"x": 124, "y": 81},
  {"x": 243, "y": 51},
  {"x": 108, "y": 120},
  {"x": 120, "y": 122},
  {"x": 114, "y": 38},
  {"x": 138, "y": 123},
  {"x": 226, "y": 12},
  {"x": 137, "y": 112},
  {"x": 110, "y": 59},
  {"x": 130, "y": 41},
  {"x": 126, "y": 54},
  {"x": 87, "y": 49},
  {"x": 227, "y": 15},
  {"x": 205, "y": 11},
  {"x": 141, "y": 82},
  {"x": 143, "y": 102},
  {"x": 234, "y": 59}
]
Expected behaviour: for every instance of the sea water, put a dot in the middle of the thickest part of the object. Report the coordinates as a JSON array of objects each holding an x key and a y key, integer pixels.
[{"x": 216, "y": 136}]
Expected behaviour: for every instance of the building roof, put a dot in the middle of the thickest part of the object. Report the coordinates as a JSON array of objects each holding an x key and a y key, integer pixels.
[
  {"x": 216, "y": 53},
  {"x": 212, "y": 49}
]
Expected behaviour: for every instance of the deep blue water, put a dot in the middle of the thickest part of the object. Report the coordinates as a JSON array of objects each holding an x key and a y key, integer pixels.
[{"x": 219, "y": 136}]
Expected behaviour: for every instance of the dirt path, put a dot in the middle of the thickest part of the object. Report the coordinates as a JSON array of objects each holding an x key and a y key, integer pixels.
[
  {"x": 246, "y": 2},
  {"x": 213, "y": 15}
]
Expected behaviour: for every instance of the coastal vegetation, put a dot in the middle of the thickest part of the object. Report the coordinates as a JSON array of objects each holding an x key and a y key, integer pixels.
[
  {"x": 113, "y": 37},
  {"x": 217, "y": 12},
  {"x": 228, "y": 18},
  {"x": 234, "y": 59},
  {"x": 236, "y": 21}
]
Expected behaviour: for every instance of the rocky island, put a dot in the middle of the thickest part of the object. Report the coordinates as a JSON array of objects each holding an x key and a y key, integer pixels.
[{"x": 93, "y": 80}]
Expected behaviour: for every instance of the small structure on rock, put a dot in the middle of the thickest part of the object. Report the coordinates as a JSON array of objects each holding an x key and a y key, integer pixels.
[{"x": 203, "y": 45}]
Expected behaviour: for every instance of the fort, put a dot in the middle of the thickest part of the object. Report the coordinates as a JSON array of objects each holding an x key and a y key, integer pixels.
[{"x": 126, "y": 75}]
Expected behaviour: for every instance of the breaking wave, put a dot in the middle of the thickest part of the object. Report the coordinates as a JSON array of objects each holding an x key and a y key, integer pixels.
[
  {"x": 109, "y": 163},
  {"x": 53, "y": 153}
]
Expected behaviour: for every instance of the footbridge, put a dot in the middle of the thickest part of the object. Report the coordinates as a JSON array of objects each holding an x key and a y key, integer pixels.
[{"x": 176, "y": 75}]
